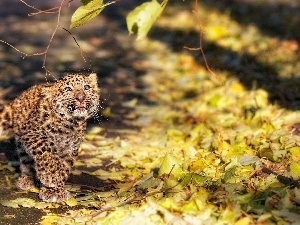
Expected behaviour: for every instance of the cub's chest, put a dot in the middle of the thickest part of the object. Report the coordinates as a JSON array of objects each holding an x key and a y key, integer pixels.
[
  {"x": 65, "y": 133},
  {"x": 63, "y": 142}
]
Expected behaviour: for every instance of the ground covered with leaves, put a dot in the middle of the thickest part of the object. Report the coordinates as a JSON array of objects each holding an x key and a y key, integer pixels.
[{"x": 177, "y": 144}]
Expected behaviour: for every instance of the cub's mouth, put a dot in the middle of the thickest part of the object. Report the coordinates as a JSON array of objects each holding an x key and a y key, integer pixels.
[{"x": 79, "y": 106}]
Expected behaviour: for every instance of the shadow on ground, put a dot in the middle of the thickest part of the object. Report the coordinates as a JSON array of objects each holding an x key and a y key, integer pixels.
[
  {"x": 106, "y": 42},
  {"x": 275, "y": 19},
  {"x": 250, "y": 72}
]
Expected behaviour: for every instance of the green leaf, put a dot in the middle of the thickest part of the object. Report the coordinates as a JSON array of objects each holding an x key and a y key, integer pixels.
[
  {"x": 86, "y": 12},
  {"x": 229, "y": 174},
  {"x": 141, "y": 19}
]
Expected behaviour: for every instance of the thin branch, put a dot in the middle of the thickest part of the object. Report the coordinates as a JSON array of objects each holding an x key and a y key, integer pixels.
[
  {"x": 200, "y": 48},
  {"x": 45, "y": 52},
  {"x": 81, "y": 52},
  {"x": 128, "y": 200},
  {"x": 52, "y": 36},
  {"x": 10, "y": 45},
  {"x": 30, "y": 6},
  {"x": 136, "y": 196},
  {"x": 51, "y": 10}
]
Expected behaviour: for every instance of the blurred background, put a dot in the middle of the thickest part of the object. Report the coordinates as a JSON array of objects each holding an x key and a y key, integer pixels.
[
  {"x": 255, "y": 41},
  {"x": 251, "y": 45}
]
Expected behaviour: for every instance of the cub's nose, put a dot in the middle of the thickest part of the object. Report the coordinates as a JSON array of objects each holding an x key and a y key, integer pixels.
[{"x": 80, "y": 96}]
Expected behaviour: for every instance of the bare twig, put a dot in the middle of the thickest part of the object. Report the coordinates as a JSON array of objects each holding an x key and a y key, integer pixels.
[
  {"x": 52, "y": 36},
  {"x": 200, "y": 48},
  {"x": 45, "y": 52},
  {"x": 51, "y": 10},
  {"x": 136, "y": 196},
  {"x": 23, "y": 53},
  {"x": 288, "y": 181},
  {"x": 81, "y": 52}
]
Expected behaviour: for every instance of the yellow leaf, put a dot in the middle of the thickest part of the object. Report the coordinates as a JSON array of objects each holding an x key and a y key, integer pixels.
[
  {"x": 175, "y": 134},
  {"x": 44, "y": 205},
  {"x": 261, "y": 98},
  {"x": 216, "y": 32},
  {"x": 50, "y": 219},
  {"x": 8, "y": 203},
  {"x": 71, "y": 202},
  {"x": 107, "y": 112},
  {"x": 171, "y": 165},
  {"x": 132, "y": 103},
  {"x": 34, "y": 190},
  {"x": 170, "y": 204},
  {"x": 244, "y": 221},
  {"x": 198, "y": 165},
  {"x": 15, "y": 203},
  {"x": 295, "y": 170},
  {"x": 190, "y": 207},
  {"x": 295, "y": 151},
  {"x": 237, "y": 87}
]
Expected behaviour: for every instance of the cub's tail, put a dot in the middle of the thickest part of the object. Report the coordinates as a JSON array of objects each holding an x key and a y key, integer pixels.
[{"x": 5, "y": 119}]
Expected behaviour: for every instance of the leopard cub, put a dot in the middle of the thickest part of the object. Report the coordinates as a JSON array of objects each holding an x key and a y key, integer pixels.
[{"x": 48, "y": 122}]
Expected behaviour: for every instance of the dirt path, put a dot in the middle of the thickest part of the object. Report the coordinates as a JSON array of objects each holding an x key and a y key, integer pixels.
[
  {"x": 105, "y": 55},
  {"x": 157, "y": 100}
]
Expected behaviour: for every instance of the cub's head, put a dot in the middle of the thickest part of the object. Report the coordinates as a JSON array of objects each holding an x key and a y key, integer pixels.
[{"x": 76, "y": 96}]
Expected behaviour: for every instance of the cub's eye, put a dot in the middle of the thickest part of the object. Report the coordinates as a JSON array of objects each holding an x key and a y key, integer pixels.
[
  {"x": 68, "y": 88},
  {"x": 86, "y": 87}
]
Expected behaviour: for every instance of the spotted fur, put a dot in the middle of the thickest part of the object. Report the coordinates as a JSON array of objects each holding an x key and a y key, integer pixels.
[{"x": 48, "y": 122}]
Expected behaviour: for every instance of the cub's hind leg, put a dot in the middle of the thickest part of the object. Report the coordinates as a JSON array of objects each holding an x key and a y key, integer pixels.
[
  {"x": 52, "y": 167},
  {"x": 5, "y": 119},
  {"x": 26, "y": 180}
]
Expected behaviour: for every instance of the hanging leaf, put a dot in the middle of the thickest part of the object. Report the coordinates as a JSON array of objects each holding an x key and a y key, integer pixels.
[
  {"x": 141, "y": 19},
  {"x": 86, "y": 12}
]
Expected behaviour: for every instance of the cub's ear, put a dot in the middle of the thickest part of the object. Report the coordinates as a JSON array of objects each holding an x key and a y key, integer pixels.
[
  {"x": 93, "y": 80},
  {"x": 93, "y": 76}
]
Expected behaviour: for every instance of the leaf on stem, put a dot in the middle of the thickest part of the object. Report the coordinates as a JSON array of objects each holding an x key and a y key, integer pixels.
[
  {"x": 86, "y": 12},
  {"x": 141, "y": 19}
]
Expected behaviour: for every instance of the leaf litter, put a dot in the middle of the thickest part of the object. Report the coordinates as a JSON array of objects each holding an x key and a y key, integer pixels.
[{"x": 205, "y": 152}]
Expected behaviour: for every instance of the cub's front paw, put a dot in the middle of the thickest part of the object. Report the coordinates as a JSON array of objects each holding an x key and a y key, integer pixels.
[
  {"x": 25, "y": 183},
  {"x": 57, "y": 194}
]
